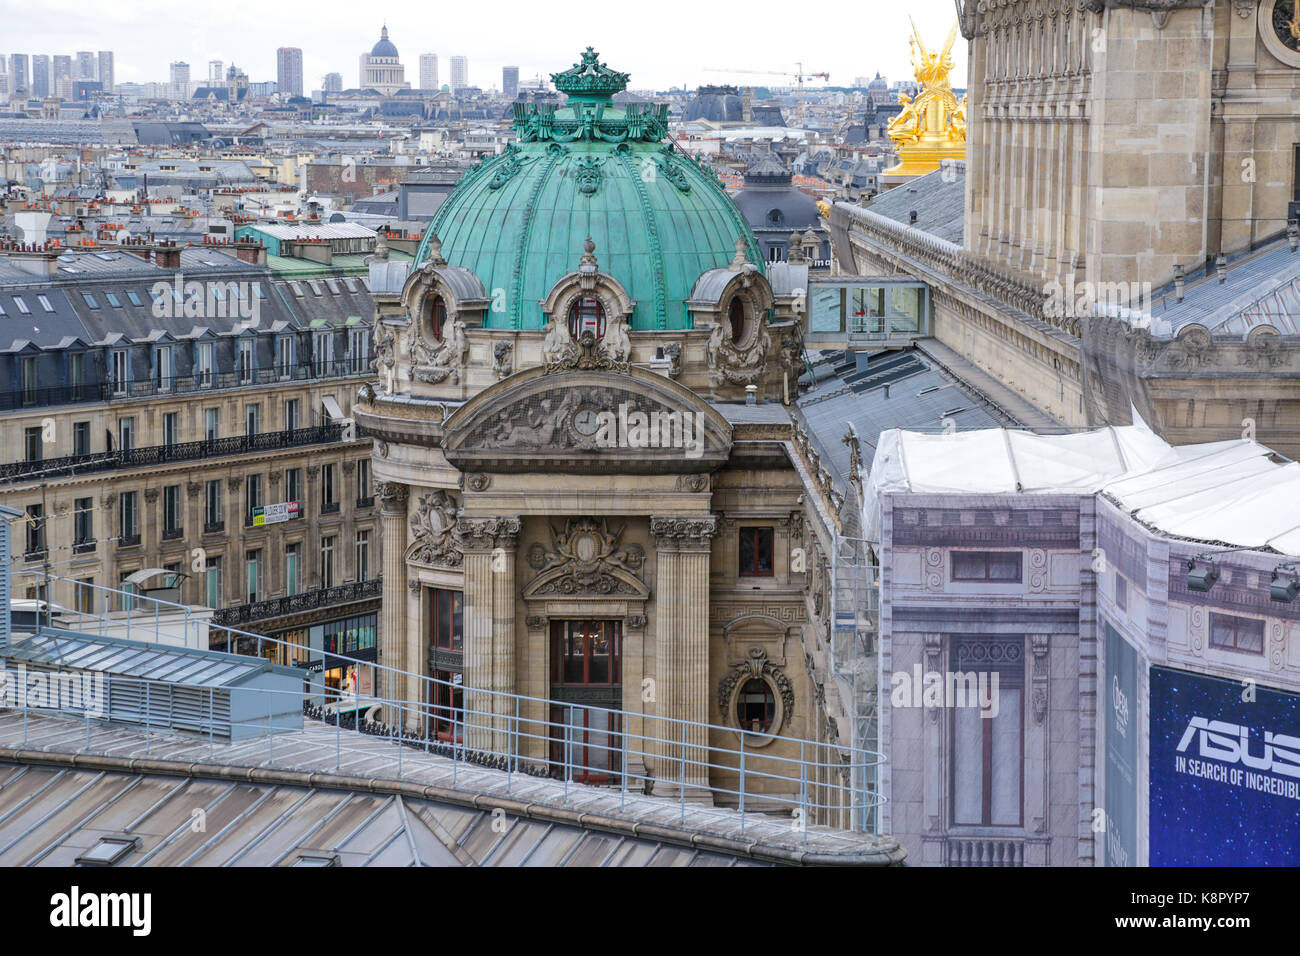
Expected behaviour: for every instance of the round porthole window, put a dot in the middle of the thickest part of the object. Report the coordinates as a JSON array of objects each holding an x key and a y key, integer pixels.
[{"x": 756, "y": 706}]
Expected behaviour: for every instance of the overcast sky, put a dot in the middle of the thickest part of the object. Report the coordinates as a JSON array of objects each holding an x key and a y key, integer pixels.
[{"x": 662, "y": 44}]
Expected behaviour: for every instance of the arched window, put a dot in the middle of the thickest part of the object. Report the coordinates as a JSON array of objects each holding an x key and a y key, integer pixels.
[
  {"x": 775, "y": 217},
  {"x": 737, "y": 315},
  {"x": 587, "y": 314},
  {"x": 437, "y": 316},
  {"x": 755, "y": 706}
]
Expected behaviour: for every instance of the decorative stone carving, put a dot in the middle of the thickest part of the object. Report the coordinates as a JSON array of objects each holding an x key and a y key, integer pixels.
[
  {"x": 434, "y": 365},
  {"x": 234, "y": 482},
  {"x": 485, "y": 534},
  {"x": 151, "y": 495},
  {"x": 274, "y": 478},
  {"x": 478, "y": 482},
  {"x": 557, "y": 344},
  {"x": 692, "y": 483},
  {"x": 933, "y": 651},
  {"x": 1038, "y": 645},
  {"x": 585, "y": 558},
  {"x": 758, "y": 666},
  {"x": 433, "y": 526},
  {"x": 382, "y": 448},
  {"x": 349, "y": 467},
  {"x": 734, "y": 364},
  {"x": 392, "y": 495},
  {"x": 617, "y": 344},
  {"x": 193, "y": 489},
  {"x": 687, "y": 532},
  {"x": 313, "y": 472},
  {"x": 636, "y": 620},
  {"x": 385, "y": 354},
  {"x": 673, "y": 352},
  {"x": 535, "y": 622},
  {"x": 413, "y": 585},
  {"x": 503, "y": 359},
  {"x": 588, "y": 355}
]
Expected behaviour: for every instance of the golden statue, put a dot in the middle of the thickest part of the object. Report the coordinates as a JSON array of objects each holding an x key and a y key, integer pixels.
[{"x": 932, "y": 127}]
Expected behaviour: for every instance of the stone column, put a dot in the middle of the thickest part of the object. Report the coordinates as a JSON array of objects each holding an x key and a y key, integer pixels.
[
  {"x": 683, "y": 546},
  {"x": 392, "y": 615},
  {"x": 489, "y": 546}
]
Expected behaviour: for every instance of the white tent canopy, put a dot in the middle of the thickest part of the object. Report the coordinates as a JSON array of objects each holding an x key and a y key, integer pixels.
[{"x": 1227, "y": 492}]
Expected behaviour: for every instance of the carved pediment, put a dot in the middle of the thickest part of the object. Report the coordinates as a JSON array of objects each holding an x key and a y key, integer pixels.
[
  {"x": 585, "y": 559},
  {"x": 586, "y": 421}
]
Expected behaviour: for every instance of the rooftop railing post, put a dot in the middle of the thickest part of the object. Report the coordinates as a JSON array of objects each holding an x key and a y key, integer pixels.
[
  {"x": 148, "y": 741},
  {"x": 455, "y": 743},
  {"x": 622, "y": 797},
  {"x": 270, "y": 734},
  {"x": 398, "y": 737},
  {"x": 212, "y": 718},
  {"x": 681, "y": 785},
  {"x": 568, "y": 748},
  {"x": 23, "y": 690},
  {"x": 742, "y": 782},
  {"x": 514, "y": 746},
  {"x": 803, "y": 791},
  {"x": 338, "y": 722}
]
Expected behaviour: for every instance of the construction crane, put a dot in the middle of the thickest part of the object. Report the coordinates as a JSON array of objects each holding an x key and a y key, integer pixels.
[{"x": 798, "y": 74}]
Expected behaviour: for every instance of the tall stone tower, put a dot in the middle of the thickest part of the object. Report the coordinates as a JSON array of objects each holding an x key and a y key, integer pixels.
[{"x": 1117, "y": 140}]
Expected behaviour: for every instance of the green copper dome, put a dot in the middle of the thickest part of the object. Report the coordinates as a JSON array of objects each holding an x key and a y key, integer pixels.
[{"x": 658, "y": 219}]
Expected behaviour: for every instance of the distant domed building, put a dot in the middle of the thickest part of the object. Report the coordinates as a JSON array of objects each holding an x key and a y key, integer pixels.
[
  {"x": 729, "y": 106},
  {"x": 381, "y": 70},
  {"x": 779, "y": 212}
]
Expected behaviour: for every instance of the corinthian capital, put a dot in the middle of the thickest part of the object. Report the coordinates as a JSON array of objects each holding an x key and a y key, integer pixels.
[
  {"x": 485, "y": 534},
  {"x": 683, "y": 532},
  {"x": 392, "y": 495}
]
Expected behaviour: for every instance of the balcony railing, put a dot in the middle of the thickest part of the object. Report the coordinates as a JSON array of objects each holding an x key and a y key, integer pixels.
[
  {"x": 184, "y": 451},
  {"x": 197, "y": 381},
  {"x": 170, "y": 534},
  {"x": 986, "y": 851},
  {"x": 295, "y": 603},
  {"x": 128, "y": 540},
  {"x": 214, "y": 527}
]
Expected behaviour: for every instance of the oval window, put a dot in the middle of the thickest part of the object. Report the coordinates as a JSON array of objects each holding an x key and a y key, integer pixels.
[
  {"x": 437, "y": 317},
  {"x": 756, "y": 706},
  {"x": 737, "y": 315},
  {"x": 587, "y": 315}
]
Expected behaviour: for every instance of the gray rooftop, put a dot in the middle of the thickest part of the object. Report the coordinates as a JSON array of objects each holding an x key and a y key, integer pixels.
[
  {"x": 896, "y": 389},
  {"x": 940, "y": 206}
]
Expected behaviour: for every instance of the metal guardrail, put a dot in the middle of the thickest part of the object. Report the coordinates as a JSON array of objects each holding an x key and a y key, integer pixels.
[{"x": 518, "y": 734}]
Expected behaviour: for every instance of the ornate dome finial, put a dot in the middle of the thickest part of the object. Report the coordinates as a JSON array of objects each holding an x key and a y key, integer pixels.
[{"x": 589, "y": 78}]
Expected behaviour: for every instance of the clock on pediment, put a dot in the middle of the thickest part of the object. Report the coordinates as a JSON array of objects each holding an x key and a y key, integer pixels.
[{"x": 1279, "y": 25}]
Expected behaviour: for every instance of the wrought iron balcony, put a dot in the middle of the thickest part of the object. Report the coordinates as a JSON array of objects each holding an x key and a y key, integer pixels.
[
  {"x": 329, "y": 508},
  {"x": 296, "y": 603},
  {"x": 83, "y": 547},
  {"x": 183, "y": 451},
  {"x": 170, "y": 534},
  {"x": 128, "y": 540},
  {"x": 214, "y": 527},
  {"x": 195, "y": 381},
  {"x": 366, "y": 502}
]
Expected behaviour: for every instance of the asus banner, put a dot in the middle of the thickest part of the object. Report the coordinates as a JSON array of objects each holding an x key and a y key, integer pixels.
[{"x": 1225, "y": 772}]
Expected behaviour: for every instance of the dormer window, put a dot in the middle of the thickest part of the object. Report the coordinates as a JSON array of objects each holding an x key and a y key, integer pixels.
[
  {"x": 736, "y": 313},
  {"x": 586, "y": 314},
  {"x": 437, "y": 317}
]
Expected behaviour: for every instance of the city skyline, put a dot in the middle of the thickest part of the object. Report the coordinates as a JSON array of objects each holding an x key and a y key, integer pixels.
[{"x": 660, "y": 56}]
